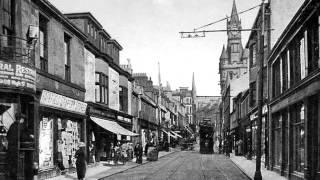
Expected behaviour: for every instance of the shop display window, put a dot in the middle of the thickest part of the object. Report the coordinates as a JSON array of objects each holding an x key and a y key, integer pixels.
[
  {"x": 46, "y": 143},
  {"x": 277, "y": 137},
  {"x": 67, "y": 142},
  {"x": 58, "y": 142},
  {"x": 298, "y": 138}
]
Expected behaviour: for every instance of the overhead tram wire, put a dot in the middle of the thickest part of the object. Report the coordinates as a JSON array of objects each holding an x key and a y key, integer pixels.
[
  {"x": 226, "y": 17},
  {"x": 196, "y": 30}
]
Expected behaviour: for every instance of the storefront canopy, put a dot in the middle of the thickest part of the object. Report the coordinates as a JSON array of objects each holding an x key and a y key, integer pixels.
[
  {"x": 169, "y": 133},
  {"x": 176, "y": 134},
  {"x": 173, "y": 135},
  {"x": 113, "y": 127},
  {"x": 188, "y": 129}
]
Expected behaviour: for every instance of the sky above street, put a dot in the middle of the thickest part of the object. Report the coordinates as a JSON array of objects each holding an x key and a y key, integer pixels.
[{"x": 149, "y": 30}]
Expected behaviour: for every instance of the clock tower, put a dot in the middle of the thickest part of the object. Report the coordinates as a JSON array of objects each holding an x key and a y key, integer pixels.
[
  {"x": 233, "y": 58},
  {"x": 234, "y": 45}
]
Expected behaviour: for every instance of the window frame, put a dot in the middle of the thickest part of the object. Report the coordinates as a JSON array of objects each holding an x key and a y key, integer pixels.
[
  {"x": 102, "y": 84},
  {"x": 43, "y": 27},
  {"x": 67, "y": 57},
  {"x": 253, "y": 55},
  {"x": 253, "y": 94}
]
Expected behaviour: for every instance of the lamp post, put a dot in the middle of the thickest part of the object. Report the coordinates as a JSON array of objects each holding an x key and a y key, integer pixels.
[{"x": 257, "y": 174}]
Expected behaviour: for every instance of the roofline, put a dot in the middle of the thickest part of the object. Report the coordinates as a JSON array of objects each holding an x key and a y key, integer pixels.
[
  {"x": 286, "y": 32},
  {"x": 62, "y": 17},
  {"x": 85, "y": 15},
  {"x": 254, "y": 24},
  {"x": 103, "y": 31},
  {"x": 115, "y": 42}
]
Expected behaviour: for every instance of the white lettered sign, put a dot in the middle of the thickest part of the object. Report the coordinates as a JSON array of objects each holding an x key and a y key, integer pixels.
[{"x": 52, "y": 99}]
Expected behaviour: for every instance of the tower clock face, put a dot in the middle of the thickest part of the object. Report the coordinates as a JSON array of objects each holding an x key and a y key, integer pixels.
[{"x": 234, "y": 30}]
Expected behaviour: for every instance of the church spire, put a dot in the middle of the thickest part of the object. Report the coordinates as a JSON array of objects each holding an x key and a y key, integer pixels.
[{"x": 234, "y": 14}]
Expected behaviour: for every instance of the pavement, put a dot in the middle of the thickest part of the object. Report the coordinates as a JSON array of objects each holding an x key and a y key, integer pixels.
[
  {"x": 249, "y": 167},
  {"x": 103, "y": 169}
]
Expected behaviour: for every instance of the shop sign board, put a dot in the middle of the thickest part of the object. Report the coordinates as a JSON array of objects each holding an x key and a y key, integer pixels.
[
  {"x": 121, "y": 118},
  {"x": 98, "y": 112},
  {"x": 17, "y": 75},
  {"x": 264, "y": 109},
  {"x": 253, "y": 116},
  {"x": 62, "y": 102}
]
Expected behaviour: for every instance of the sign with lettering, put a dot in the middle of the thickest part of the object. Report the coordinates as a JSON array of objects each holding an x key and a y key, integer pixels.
[
  {"x": 62, "y": 102},
  {"x": 17, "y": 75},
  {"x": 101, "y": 113}
]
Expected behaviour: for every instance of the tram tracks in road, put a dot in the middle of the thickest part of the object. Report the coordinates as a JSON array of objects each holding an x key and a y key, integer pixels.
[
  {"x": 167, "y": 163},
  {"x": 176, "y": 169}
]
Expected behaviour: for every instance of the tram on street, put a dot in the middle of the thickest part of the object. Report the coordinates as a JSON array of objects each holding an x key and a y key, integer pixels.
[{"x": 206, "y": 138}]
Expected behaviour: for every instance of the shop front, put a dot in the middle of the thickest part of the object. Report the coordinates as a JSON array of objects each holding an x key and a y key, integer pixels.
[
  {"x": 110, "y": 134},
  {"x": 17, "y": 115},
  {"x": 105, "y": 131},
  {"x": 62, "y": 127},
  {"x": 254, "y": 129}
]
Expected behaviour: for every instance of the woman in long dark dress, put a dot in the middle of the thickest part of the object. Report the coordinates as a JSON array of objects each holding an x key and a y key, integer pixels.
[
  {"x": 138, "y": 153},
  {"x": 81, "y": 163}
]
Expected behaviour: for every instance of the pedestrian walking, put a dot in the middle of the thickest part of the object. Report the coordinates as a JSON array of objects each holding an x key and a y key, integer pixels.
[
  {"x": 81, "y": 164},
  {"x": 138, "y": 151}
]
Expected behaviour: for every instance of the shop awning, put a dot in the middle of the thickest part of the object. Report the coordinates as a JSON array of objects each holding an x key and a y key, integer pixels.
[
  {"x": 176, "y": 134},
  {"x": 165, "y": 131},
  {"x": 173, "y": 135},
  {"x": 188, "y": 129},
  {"x": 113, "y": 127},
  {"x": 169, "y": 133}
]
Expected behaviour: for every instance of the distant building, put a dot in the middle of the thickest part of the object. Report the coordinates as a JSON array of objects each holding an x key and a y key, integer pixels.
[
  {"x": 233, "y": 68},
  {"x": 233, "y": 58}
]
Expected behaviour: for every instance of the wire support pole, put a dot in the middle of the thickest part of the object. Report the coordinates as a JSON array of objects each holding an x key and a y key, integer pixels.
[{"x": 257, "y": 174}]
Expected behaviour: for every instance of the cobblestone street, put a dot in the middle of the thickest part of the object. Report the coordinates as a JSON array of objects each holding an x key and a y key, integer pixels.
[{"x": 185, "y": 165}]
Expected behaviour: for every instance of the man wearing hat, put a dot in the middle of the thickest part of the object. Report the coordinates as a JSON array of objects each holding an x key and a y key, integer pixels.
[
  {"x": 12, "y": 136},
  {"x": 81, "y": 163}
]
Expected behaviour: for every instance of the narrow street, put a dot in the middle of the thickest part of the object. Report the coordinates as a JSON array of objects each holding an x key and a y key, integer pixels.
[{"x": 185, "y": 165}]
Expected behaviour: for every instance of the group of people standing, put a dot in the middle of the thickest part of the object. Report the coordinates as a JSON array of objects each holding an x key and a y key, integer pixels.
[{"x": 120, "y": 152}]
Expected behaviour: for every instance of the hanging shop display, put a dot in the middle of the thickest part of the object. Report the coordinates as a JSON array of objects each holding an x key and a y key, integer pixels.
[{"x": 46, "y": 143}]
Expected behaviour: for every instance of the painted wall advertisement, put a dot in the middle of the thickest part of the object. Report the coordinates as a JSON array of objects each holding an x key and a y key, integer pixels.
[
  {"x": 17, "y": 75},
  {"x": 113, "y": 89}
]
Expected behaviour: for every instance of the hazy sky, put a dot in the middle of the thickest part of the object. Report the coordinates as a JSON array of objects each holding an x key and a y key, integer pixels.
[{"x": 148, "y": 31}]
